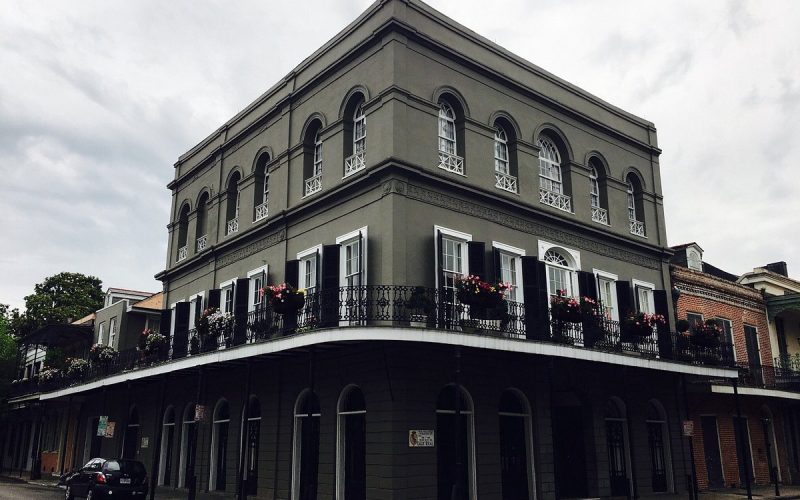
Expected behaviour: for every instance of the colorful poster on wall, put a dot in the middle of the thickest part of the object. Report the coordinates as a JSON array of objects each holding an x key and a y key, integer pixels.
[
  {"x": 101, "y": 425},
  {"x": 420, "y": 439},
  {"x": 110, "y": 429}
]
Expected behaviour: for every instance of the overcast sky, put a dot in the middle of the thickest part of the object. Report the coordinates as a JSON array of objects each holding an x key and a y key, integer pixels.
[{"x": 98, "y": 99}]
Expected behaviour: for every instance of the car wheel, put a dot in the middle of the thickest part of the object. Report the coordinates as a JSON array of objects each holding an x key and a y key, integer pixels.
[{"x": 68, "y": 493}]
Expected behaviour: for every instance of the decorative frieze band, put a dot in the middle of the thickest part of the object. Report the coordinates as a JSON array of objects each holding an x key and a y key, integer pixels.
[
  {"x": 252, "y": 248},
  {"x": 476, "y": 210},
  {"x": 699, "y": 291}
]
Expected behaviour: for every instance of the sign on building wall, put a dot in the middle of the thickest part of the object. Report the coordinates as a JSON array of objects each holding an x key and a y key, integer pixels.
[
  {"x": 199, "y": 413},
  {"x": 110, "y": 429},
  {"x": 101, "y": 425},
  {"x": 420, "y": 439},
  {"x": 145, "y": 442},
  {"x": 688, "y": 428}
]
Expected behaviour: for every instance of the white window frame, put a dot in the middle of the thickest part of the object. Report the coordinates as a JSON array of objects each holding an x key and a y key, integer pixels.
[
  {"x": 172, "y": 321},
  {"x": 215, "y": 423},
  {"x": 112, "y": 331},
  {"x": 162, "y": 469},
  {"x": 229, "y": 284},
  {"x": 544, "y": 246},
  {"x": 631, "y": 192},
  {"x": 452, "y": 234},
  {"x": 304, "y": 256},
  {"x": 252, "y": 293},
  {"x": 594, "y": 192},
  {"x": 501, "y": 157},
  {"x": 317, "y": 160},
  {"x": 101, "y": 333},
  {"x": 344, "y": 240},
  {"x": 341, "y": 442},
  {"x": 447, "y": 119},
  {"x": 550, "y": 176},
  {"x": 515, "y": 253},
  {"x": 644, "y": 285},
  {"x": 193, "y": 307},
  {"x": 359, "y": 124},
  {"x": 730, "y": 322},
  {"x": 297, "y": 442},
  {"x": 613, "y": 278}
]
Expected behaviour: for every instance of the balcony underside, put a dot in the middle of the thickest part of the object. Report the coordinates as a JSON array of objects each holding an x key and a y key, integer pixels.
[{"x": 388, "y": 334}]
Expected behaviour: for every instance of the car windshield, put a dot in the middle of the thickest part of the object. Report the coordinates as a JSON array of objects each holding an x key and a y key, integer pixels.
[{"x": 131, "y": 467}]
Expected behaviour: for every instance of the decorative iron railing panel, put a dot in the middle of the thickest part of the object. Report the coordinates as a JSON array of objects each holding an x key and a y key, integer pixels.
[
  {"x": 233, "y": 226},
  {"x": 202, "y": 243},
  {"x": 557, "y": 200},
  {"x": 354, "y": 163},
  {"x": 183, "y": 252},
  {"x": 313, "y": 184},
  {"x": 600, "y": 215},
  {"x": 261, "y": 212},
  {"x": 451, "y": 163},
  {"x": 505, "y": 182},
  {"x": 637, "y": 228},
  {"x": 415, "y": 307}
]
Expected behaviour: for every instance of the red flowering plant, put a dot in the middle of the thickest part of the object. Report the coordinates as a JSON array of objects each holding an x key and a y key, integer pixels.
[
  {"x": 473, "y": 291},
  {"x": 640, "y": 325},
  {"x": 284, "y": 298},
  {"x": 706, "y": 334},
  {"x": 565, "y": 308}
]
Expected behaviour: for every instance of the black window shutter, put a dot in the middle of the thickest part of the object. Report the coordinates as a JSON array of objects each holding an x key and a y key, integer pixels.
[
  {"x": 624, "y": 299},
  {"x": 439, "y": 259},
  {"x": 328, "y": 298},
  {"x": 497, "y": 262},
  {"x": 291, "y": 273},
  {"x": 587, "y": 284},
  {"x": 534, "y": 290},
  {"x": 166, "y": 321},
  {"x": 180, "y": 342},
  {"x": 242, "y": 292},
  {"x": 362, "y": 251},
  {"x": 477, "y": 258},
  {"x": 660, "y": 298},
  {"x": 214, "y": 296}
]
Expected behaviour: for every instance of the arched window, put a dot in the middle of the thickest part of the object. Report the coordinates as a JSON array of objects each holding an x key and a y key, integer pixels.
[
  {"x": 219, "y": 446},
  {"x": 251, "y": 451},
  {"x": 551, "y": 182},
  {"x": 617, "y": 444},
  {"x": 312, "y": 162},
  {"x": 454, "y": 447},
  {"x": 560, "y": 273},
  {"x": 597, "y": 192},
  {"x": 232, "y": 207},
  {"x": 188, "y": 443},
  {"x": 261, "y": 191},
  {"x": 515, "y": 445},
  {"x": 505, "y": 174},
  {"x": 355, "y": 128},
  {"x": 202, "y": 216},
  {"x": 167, "y": 441},
  {"x": 449, "y": 147},
  {"x": 658, "y": 439},
  {"x": 131, "y": 439},
  {"x": 352, "y": 448},
  {"x": 183, "y": 232},
  {"x": 635, "y": 215},
  {"x": 306, "y": 446}
]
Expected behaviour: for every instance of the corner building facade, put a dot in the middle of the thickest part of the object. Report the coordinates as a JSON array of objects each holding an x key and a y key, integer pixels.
[{"x": 407, "y": 152}]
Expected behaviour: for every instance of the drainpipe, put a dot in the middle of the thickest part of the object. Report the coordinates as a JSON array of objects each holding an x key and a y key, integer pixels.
[
  {"x": 157, "y": 436},
  {"x": 742, "y": 440},
  {"x": 241, "y": 488}
]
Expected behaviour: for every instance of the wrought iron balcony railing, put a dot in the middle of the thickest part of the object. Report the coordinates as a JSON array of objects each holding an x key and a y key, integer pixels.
[
  {"x": 451, "y": 163},
  {"x": 637, "y": 227},
  {"x": 202, "y": 243},
  {"x": 506, "y": 182},
  {"x": 600, "y": 215},
  {"x": 233, "y": 226},
  {"x": 183, "y": 252},
  {"x": 354, "y": 163},
  {"x": 261, "y": 212},
  {"x": 313, "y": 184},
  {"x": 411, "y": 307},
  {"x": 557, "y": 200}
]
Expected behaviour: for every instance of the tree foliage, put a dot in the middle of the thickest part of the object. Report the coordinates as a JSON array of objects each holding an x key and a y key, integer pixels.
[
  {"x": 57, "y": 299},
  {"x": 8, "y": 351}
]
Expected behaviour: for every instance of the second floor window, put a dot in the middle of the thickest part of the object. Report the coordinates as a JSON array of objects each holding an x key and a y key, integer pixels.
[
  {"x": 631, "y": 202},
  {"x": 560, "y": 274},
  {"x": 227, "y": 299},
  {"x": 595, "y": 189},
  {"x": 500, "y": 151},
  {"x": 447, "y": 129},
  {"x": 308, "y": 272},
  {"x": 112, "y": 332},
  {"x": 359, "y": 130},
  {"x": 550, "y": 166},
  {"x": 232, "y": 208},
  {"x": 453, "y": 261},
  {"x": 317, "y": 155}
]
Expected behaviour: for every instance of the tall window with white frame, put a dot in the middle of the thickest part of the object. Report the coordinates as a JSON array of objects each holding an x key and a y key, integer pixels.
[
  {"x": 352, "y": 263},
  {"x": 201, "y": 231},
  {"x": 251, "y": 451},
  {"x": 560, "y": 273},
  {"x": 355, "y": 131},
  {"x": 219, "y": 446},
  {"x": 112, "y": 332},
  {"x": 183, "y": 232},
  {"x": 101, "y": 334},
  {"x": 351, "y": 453},
  {"x": 188, "y": 444},
  {"x": 504, "y": 179},
  {"x": 635, "y": 218},
  {"x": 454, "y": 466},
  {"x": 607, "y": 293},
  {"x": 510, "y": 267},
  {"x": 232, "y": 208},
  {"x": 312, "y": 158},
  {"x": 257, "y": 282},
  {"x": 306, "y": 446},
  {"x": 514, "y": 417},
  {"x": 308, "y": 273},
  {"x": 448, "y": 143},
  {"x": 261, "y": 191},
  {"x": 227, "y": 299},
  {"x": 599, "y": 213},
  {"x": 551, "y": 184},
  {"x": 167, "y": 440},
  {"x": 454, "y": 262}
]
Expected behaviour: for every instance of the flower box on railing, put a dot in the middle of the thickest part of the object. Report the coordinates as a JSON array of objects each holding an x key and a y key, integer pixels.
[
  {"x": 284, "y": 299},
  {"x": 707, "y": 334}
]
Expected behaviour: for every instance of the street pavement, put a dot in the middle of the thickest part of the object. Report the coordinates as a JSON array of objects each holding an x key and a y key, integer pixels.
[{"x": 15, "y": 490}]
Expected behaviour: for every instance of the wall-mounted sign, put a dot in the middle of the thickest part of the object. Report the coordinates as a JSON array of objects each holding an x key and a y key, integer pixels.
[
  {"x": 110, "y": 429},
  {"x": 420, "y": 439},
  {"x": 199, "y": 413},
  {"x": 688, "y": 428},
  {"x": 101, "y": 425},
  {"x": 145, "y": 442}
]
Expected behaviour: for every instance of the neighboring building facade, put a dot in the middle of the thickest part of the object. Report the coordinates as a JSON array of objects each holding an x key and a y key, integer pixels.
[
  {"x": 408, "y": 152},
  {"x": 759, "y": 438},
  {"x": 125, "y": 314}
]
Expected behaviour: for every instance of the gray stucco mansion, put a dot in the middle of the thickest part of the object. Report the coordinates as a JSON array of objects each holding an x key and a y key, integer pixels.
[{"x": 405, "y": 153}]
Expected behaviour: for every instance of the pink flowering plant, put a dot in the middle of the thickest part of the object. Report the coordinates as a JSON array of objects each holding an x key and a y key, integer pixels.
[
  {"x": 706, "y": 334},
  {"x": 473, "y": 291},
  {"x": 284, "y": 298},
  {"x": 565, "y": 308},
  {"x": 641, "y": 324},
  {"x": 76, "y": 368},
  {"x": 102, "y": 354}
]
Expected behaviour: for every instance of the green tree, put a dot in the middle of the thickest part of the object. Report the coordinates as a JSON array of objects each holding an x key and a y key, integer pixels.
[
  {"x": 8, "y": 352},
  {"x": 61, "y": 297}
]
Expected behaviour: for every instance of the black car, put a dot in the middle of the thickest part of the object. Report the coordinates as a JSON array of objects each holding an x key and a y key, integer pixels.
[{"x": 104, "y": 478}]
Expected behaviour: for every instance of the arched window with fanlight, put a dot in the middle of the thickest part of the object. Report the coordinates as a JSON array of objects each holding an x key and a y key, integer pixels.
[
  {"x": 131, "y": 439},
  {"x": 188, "y": 443},
  {"x": 305, "y": 457},
  {"x": 505, "y": 174},
  {"x": 551, "y": 179},
  {"x": 658, "y": 441},
  {"x": 261, "y": 191},
  {"x": 449, "y": 147},
  {"x": 201, "y": 231},
  {"x": 561, "y": 277},
  {"x": 635, "y": 205},
  {"x": 455, "y": 466},
  {"x": 167, "y": 445},
  {"x": 183, "y": 232},
  {"x": 515, "y": 446},
  {"x": 219, "y": 446},
  {"x": 352, "y": 445},
  {"x": 312, "y": 158},
  {"x": 253, "y": 435},
  {"x": 617, "y": 447},
  {"x": 597, "y": 195}
]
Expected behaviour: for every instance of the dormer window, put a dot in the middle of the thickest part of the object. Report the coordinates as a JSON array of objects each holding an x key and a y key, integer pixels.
[{"x": 694, "y": 260}]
